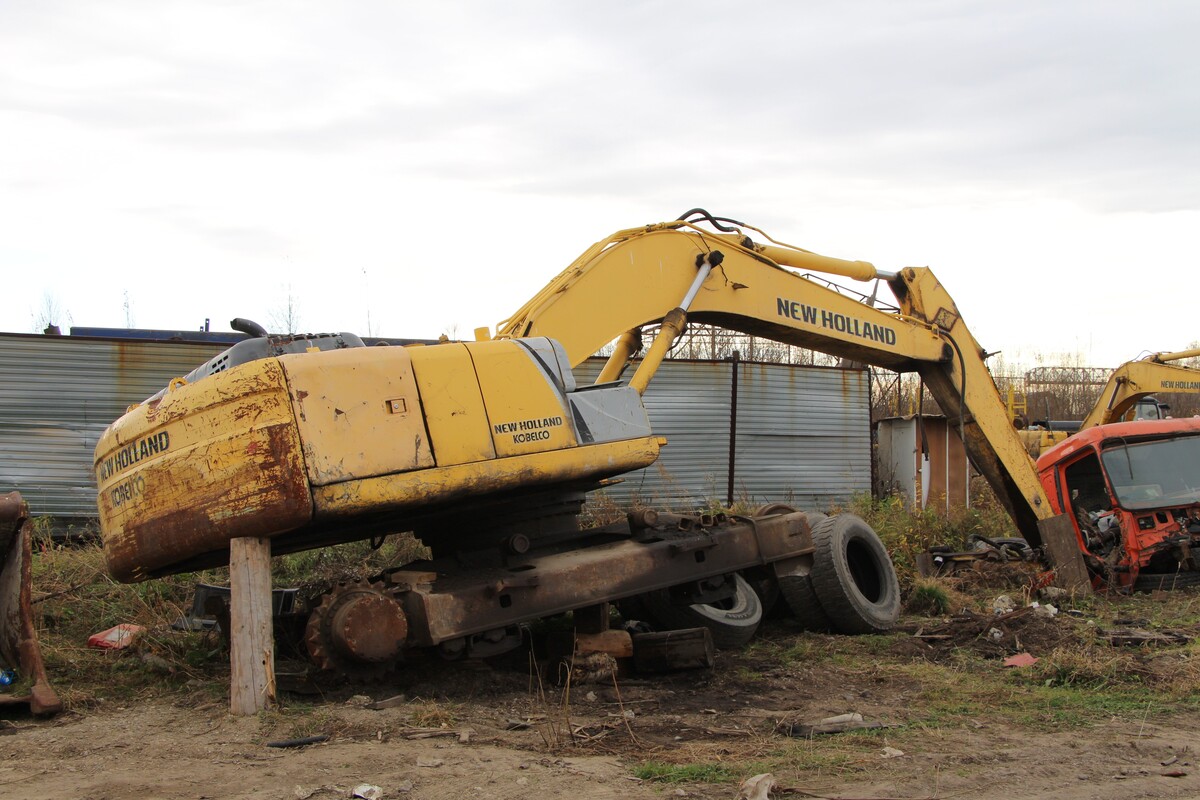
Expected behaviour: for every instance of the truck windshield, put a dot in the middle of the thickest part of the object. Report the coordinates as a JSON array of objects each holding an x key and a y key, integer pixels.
[{"x": 1155, "y": 473}]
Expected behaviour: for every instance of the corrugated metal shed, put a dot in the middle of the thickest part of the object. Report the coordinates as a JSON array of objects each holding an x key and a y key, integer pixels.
[
  {"x": 923, "y": 459},
  {"x": 802, "y": 434},
  {"x": 58, "y": 394}
]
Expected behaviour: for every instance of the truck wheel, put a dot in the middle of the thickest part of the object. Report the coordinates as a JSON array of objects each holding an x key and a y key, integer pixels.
[
  {"x": 853, "y": 577},
  {"x": 1154, "y": 581},
  {"x": 732, "y": 622},
  {"x": 799, "y": 596},
  {"x": 762, "y": 580}
]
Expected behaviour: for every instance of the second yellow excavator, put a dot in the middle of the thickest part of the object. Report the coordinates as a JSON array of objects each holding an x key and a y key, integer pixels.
[{"x": 1131, "y": 393}]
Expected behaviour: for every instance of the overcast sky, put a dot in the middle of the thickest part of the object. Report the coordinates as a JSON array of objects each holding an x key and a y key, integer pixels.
[{"x": 408, "y": 169}]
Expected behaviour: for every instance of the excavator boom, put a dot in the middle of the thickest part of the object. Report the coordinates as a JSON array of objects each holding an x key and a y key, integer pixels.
[{"x": 637, "y": 277}]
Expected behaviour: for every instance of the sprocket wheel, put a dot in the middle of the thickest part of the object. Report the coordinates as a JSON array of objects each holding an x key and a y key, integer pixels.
[{"x": 358, "y": 630}]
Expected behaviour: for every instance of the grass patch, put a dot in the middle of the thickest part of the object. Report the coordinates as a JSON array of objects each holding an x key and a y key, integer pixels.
[
  {"x": 687, "y": 773},
  {"x": 906, "y": 531},
  {"x": 982, "y": 690}
]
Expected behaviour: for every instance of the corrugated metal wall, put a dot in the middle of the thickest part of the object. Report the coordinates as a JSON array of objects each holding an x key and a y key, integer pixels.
[
  {"x": 803, "y": 435},
  {"x": 58, "y": 394}
]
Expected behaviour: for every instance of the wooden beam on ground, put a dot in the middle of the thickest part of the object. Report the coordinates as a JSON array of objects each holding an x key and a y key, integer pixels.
[
  {"x": 668, "y": 651},
  {"x": 251, "y": 642}
]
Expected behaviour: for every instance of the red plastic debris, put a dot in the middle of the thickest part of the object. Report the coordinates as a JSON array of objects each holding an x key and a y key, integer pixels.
[
  {"x": 117, "y": 637},
  {"x": 1020, "y": 660}
]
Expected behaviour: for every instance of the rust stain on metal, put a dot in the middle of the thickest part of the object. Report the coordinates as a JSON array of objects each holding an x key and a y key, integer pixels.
[
  {"x": 18, "y": 638},
  {"x": 263, "y": 492}
]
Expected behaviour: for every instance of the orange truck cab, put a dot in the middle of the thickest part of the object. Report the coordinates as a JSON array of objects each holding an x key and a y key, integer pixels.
[{"x": 1133, "y": 492}]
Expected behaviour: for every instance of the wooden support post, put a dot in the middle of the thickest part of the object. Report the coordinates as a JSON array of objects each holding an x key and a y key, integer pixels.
[
  {"x": 591, "y": 619},
  {"x": 251, "y": 641}
]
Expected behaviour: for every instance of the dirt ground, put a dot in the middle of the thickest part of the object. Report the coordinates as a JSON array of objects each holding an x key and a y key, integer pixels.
[{"x": 486, "y": 730}]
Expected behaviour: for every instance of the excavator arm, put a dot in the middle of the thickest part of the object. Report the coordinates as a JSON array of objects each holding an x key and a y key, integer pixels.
[
  {"x": 1135, "y": 380},
  {"x": 676, "y": 271}
]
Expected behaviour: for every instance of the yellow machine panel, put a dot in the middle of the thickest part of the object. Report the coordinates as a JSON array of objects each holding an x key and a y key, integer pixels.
[
  {"x": 526, "y": 410},
  {"x": 464, "y": 482},
  {"x": 358, "y": 413},
  {"x": 454, "y": 412},
  {"x": 203, "y": 464}
]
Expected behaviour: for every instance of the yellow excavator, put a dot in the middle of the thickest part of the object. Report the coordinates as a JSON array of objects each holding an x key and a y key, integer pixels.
[
  {"x": 486, "y": 451},
  {"x": 1130, "y": 394}
]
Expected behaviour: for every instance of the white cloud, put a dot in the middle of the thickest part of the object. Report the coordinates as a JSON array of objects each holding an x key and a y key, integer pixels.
[{"x": 434, "y": 164}]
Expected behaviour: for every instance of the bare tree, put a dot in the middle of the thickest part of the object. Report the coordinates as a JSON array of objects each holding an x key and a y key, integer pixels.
[
  {"x": 367, "y": 296},
  {"x": 50, "y": 315},
  {"x": 127, "y": 307},
  {"x": 286, "y": 317},
  {"x": 710, "y": 342}
]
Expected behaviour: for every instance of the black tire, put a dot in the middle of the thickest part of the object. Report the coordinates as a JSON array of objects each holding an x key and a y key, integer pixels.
[
  {"x": 1166, "y": 581},
  {"x": 732, "y": 624},
  {"x": 762, "y": 581},
  {"x": 853, "y": 576},
  {"x": 799, "y": 596}
]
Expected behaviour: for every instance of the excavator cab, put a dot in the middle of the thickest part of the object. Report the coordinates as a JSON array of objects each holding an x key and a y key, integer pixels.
[{"x": 1150, "y": 408}]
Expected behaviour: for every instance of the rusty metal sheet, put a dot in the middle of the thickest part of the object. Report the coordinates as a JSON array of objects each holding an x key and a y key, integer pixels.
[
  {"x": 182, "y": 475},
  {"x": 19, "y": 647}
]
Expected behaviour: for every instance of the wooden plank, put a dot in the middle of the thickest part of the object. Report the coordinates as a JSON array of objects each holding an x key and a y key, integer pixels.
[
  {"x": 251, "y": 645},
  {"x": 618, "y": 644},
  {"x": 668, "y": 651}
]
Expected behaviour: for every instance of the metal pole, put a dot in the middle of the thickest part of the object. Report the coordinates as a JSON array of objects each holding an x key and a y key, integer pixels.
[{"x": 733, "y": 398}]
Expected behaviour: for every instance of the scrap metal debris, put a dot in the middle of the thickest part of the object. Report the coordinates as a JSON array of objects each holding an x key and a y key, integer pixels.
[
  {"x": 838, "y": 724},
  {"x": 1141, "y": 636},
  {"x": 390, "y": 702},
  {"x": 757, "y": 787},
  {"x": 19, "y": 646}
]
